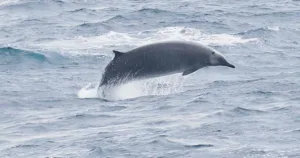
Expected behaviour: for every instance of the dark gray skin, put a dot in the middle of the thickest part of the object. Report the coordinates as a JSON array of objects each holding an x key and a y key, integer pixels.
[{"x": 160, "y": 59}]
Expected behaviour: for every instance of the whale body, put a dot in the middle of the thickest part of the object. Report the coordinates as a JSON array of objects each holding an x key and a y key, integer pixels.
[{"x": 160, "y": 59}]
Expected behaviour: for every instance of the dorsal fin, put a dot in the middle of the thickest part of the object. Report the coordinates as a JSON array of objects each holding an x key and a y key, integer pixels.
[{"x": 117, "y": 54}]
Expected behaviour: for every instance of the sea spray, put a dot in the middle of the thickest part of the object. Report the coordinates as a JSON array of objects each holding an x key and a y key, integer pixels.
[{"x": 153, "y": 86}]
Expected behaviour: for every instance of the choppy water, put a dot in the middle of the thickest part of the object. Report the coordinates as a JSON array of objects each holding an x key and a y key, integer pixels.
[{"x": 53, "y": 52}]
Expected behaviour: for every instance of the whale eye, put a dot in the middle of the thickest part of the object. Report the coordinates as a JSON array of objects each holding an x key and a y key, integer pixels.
[{"x": 213, "y": 53}]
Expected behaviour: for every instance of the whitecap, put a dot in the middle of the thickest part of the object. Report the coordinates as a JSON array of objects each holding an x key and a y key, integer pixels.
[
  {"x": 89, "y": 91},
  {"x": 8, "y": 2},
  {"x": 273, "y": 28},
  {"x": 112, "y": 40}
]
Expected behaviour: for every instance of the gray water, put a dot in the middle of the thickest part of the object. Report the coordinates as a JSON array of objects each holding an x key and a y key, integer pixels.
[{"x": 53, "y": 53}]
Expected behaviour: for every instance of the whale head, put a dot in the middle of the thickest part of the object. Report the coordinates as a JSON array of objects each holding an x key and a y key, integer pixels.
[{"x": 217, "y": 59}]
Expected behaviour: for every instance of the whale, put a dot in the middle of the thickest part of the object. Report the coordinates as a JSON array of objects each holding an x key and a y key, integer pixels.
[{"x": 160, "y": 59}]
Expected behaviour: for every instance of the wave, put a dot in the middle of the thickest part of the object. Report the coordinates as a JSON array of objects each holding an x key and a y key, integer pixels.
[
  {"x": 91, "y": 28},
  {"x": 282, "y": 107},
  {"x": 34, "y": 22},
  {"x": 246, "y": 111},
  {"x": 188, "y": 143},
  {"x": 262, "y": 93},
  {"x": 115, "y": 18},
  {"x": 11, "y": 55},
  {"x": 8, "y": 2},
  {"x": 153, "y": 10},
  {"x": 18, "y": 4},
  {"x": 79, "y": 15},
  {"x": 199, "y": 146},
  {"x": 144, "y": 16},
  {"x": 14, "y": 56},
  {"x": 276, "y": 14},
  {"x": 84, "y": 116},
  {"x": 240, "y": 111},
  {"x": 113, "y": 39},
  {"x": 260, "y": 31},
  {"x": 84, "y": 10}
]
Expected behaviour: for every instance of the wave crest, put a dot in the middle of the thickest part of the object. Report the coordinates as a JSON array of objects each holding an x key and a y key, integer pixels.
[
  {"x": 14, "y": 56},
  {"x": 115, "y": 39},
  {"x": 10, "y": 55}
]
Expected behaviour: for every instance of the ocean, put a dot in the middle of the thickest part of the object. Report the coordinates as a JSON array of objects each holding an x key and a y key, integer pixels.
[{"x": 53, "y": 54}]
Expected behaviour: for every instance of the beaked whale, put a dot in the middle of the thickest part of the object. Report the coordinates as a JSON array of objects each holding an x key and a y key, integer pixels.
[{"x": 160, "y": 59}]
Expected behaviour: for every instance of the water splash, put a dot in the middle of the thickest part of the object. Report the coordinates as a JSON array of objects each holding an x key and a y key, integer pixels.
[
  {"x": 89, "y": 91},
  {"x": 154, "y": 86}
]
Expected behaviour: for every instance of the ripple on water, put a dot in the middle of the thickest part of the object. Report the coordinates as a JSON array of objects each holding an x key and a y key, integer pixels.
[{"x": 52, "y": 48}]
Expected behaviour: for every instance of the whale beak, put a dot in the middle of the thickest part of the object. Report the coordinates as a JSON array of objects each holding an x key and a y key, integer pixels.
[{"x": 230, "y": 65}]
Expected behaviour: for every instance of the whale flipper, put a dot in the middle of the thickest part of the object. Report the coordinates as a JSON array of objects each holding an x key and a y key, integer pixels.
[
  {"x": 189, "y": 71},
  {"x": 117, "y": 54}
]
